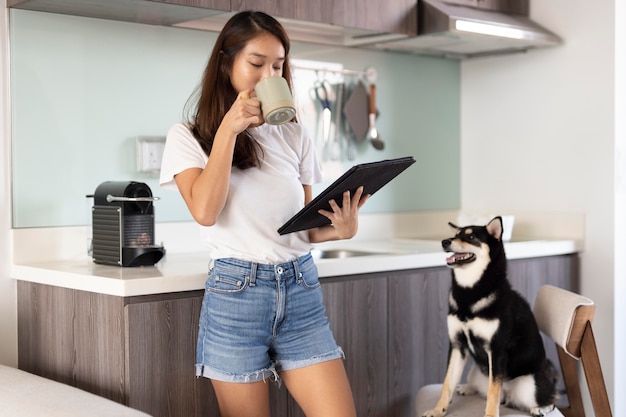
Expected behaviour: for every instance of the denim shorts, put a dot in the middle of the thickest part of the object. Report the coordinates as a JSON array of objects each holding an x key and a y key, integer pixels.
[{"x": 258, "y": 320}]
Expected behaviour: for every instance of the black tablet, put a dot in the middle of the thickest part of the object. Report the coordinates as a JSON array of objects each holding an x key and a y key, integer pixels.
[{"x": 372, "y": 176}]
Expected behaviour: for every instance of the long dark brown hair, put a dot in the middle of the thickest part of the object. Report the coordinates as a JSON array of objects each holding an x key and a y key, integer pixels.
[{"x": 215, "y": 95}]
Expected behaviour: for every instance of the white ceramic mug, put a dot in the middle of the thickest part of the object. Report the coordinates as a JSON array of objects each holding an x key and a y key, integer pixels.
[{"x": 276, "y": 101}]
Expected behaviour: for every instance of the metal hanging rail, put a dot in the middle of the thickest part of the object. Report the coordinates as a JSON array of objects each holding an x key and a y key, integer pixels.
[{"x": 369, "y": 73}]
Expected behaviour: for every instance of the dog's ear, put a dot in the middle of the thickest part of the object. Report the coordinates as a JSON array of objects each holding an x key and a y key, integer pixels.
[
  {"x": 454, "y": 227},
  {"x": 494, "y": 227}
]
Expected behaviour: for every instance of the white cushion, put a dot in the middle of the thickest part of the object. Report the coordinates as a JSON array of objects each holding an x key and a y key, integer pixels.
[
  {"x": 464, "y": 406},
  {"x": 555, "y": 311},
  {"x": 27, "y": 395}
]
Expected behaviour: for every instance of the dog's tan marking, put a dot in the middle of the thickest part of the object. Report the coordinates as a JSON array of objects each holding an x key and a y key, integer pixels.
[
  {"x": 494, "y": 391},
  {"x": 483, "y": 303},
  {"x": 456, "y": 364},
  {"x": 493, "y": 399}
]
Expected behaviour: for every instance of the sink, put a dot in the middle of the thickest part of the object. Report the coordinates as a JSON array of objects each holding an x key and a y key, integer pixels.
[{"x": 340, "y": 253}]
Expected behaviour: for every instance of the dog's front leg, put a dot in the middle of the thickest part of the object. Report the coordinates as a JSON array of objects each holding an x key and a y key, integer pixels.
[
  {"x": 494, "y": 391},
  {"x": 456, "y": 364}
]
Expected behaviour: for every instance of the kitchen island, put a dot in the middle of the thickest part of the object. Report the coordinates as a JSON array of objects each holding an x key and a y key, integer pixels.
[{"x": 129, "y": 334}]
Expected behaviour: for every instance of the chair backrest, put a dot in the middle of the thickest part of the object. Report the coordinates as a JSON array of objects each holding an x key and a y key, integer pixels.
[{"x": 566, "y": 317}]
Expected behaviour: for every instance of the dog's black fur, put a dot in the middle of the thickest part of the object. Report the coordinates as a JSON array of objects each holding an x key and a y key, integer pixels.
[{"x": 487, "y": 317}]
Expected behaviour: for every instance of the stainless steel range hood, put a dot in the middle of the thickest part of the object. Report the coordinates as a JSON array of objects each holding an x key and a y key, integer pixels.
[{"x": 454, "y": 31}]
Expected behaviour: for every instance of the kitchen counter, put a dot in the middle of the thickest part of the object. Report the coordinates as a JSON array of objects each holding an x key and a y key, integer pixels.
[{"x": 178, "y": 272}]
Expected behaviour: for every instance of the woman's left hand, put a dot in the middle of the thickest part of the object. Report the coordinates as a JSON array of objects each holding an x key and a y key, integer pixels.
[{"x": 345, "y": 219}]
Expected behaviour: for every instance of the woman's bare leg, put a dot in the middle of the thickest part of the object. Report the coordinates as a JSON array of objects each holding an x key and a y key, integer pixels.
[
  {"x": 321, "y": 390},
  {"x": 242, "y": 400}
]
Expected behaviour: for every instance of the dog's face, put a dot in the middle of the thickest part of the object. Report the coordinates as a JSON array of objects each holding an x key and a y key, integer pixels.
[{"x": 470, "y": 246}]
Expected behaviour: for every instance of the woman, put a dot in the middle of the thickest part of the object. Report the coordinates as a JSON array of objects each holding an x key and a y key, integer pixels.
[{"x": 262, "y": 315}]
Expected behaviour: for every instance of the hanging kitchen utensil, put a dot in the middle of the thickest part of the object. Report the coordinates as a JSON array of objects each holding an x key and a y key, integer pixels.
[
  {"x": 346, "y": 131},
  {"x": 375, "y": 139},
  {"x": 322, "y": 92},
  {"x": 349, "y": 137},
  {"x": 335, "y": 148},
  {"x": 356, "y": 111}
]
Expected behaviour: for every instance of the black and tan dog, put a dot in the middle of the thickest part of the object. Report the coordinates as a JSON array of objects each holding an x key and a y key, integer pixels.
[{"x": 490, "y": 321}]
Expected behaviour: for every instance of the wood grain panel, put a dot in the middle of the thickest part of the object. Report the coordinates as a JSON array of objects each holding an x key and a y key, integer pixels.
[
  {"x": 161, "y": 12},
  {"x": 398, "y": 16},
  {"x": 99, "y": 345},
  {"x": 418, "y": 341},
  {"x": 357, "y": 310},
  {"x": 276, "y": 8},
  {"x": 161, "y": 358},
  {"x": 527, "y": 275},
  {"x": 45, "y": 331},
  {"x": 72, "y": 336}
]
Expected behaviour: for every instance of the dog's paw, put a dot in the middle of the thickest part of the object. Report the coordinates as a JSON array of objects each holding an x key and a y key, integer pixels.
[
  {"x": 434, "y": 413},
  {"x": 541, "y": 411},
  {"x": 465, "y": 389}
]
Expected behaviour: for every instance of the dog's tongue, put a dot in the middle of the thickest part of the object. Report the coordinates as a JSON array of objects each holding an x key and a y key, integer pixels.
[{"x": 455, "y": 257}]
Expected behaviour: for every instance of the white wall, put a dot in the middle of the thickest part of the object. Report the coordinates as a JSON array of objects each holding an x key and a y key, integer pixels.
[
  {"x": 8, "y": 313},
  {"x": 620, "y": 206},
  {"x": 538, "y": 133}
]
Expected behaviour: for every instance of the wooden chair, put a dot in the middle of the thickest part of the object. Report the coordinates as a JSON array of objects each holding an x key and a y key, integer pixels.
[{"x": 566, "y": 318}]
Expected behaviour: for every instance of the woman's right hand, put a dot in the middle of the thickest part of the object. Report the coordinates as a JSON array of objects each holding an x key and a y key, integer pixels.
[{"x": 245, "y": 112}]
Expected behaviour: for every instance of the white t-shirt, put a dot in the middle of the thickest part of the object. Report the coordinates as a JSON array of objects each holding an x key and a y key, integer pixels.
[{"x": 259, "y": 199}]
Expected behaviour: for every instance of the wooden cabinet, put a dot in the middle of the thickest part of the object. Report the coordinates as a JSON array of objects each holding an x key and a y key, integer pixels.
[
  {"x": 73, "y": 337},
  {"x": 399, "y": 16},
  {"x": 417, "y": 334},
  {"x": 120, "y": 5},
  {"x": 277, "y": 8},
  {"x": 140, "y": 351},
  {"x": 161, "y": 348},
  {"x": 207, "y": 4},
  {"x": 153, "y": 12},
  {"x": 357, "y": 310}
]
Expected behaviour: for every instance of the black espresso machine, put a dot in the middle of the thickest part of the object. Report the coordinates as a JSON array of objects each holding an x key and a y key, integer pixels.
[{"x": 123, "y": 225}]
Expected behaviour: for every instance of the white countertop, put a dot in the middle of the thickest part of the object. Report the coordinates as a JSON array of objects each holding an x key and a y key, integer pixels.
[{"x": 178, "y": 272}]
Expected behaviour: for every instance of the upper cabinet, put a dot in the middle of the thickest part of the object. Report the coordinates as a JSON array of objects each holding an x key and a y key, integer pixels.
[
  {"x": 396, "y": 16},
  {"x": 399, "y": 16},
  {"x": 334, "y": 21},
  {"x": 154, "y": 12},
  {"x": 340, "y": 22}
]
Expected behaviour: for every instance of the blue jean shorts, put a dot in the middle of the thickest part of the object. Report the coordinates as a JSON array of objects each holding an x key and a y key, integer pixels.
[{"x": 258, "y": 320}]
